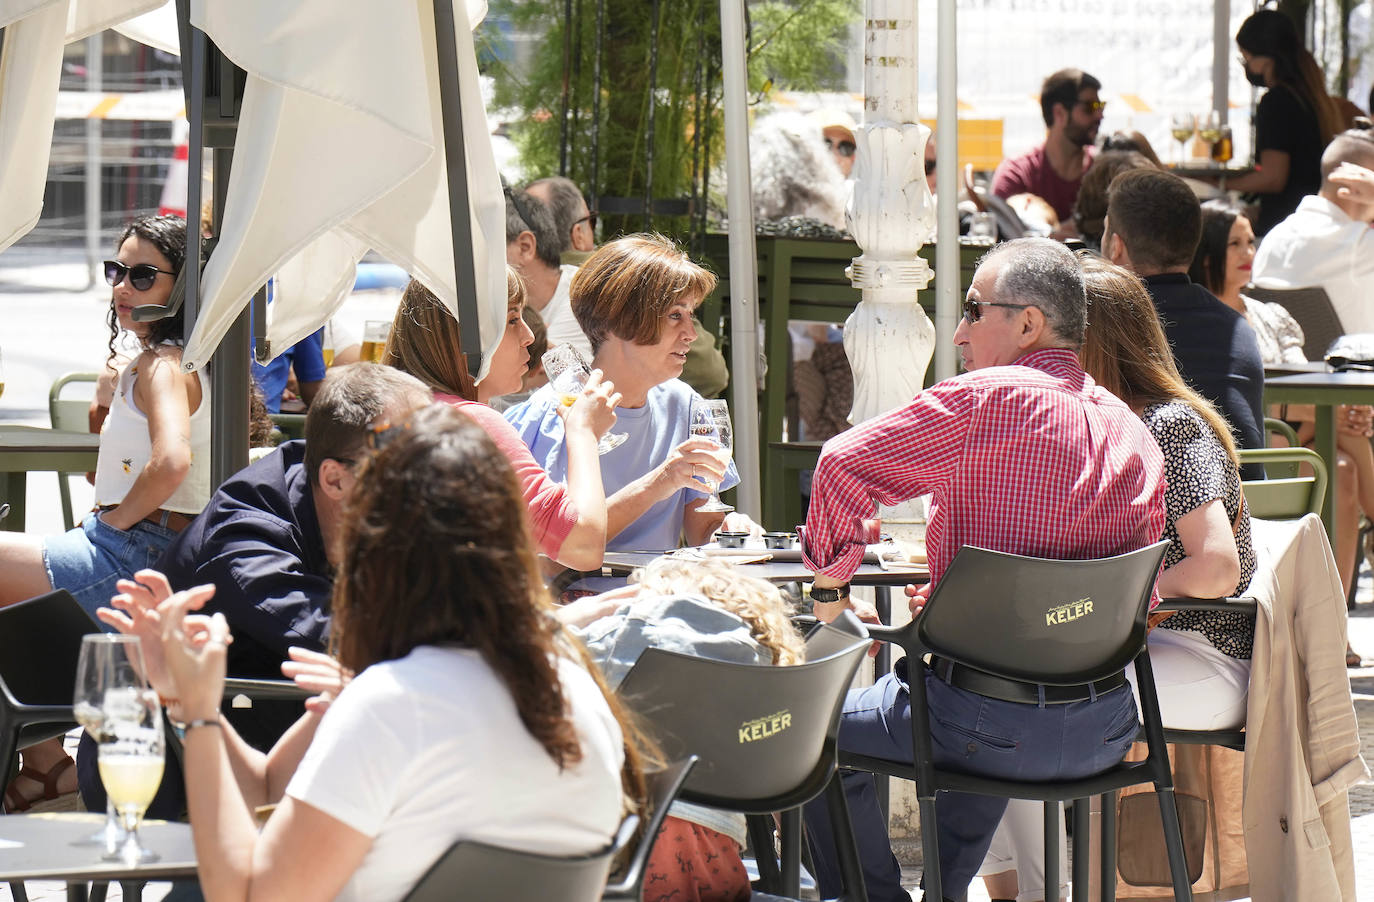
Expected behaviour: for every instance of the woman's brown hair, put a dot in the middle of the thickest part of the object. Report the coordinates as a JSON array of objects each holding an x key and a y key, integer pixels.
[
  {"x": 473, "y": 582},
  {"x": 627, "y": 285},
  {"x": 1125, "y": 351},
  {"x": 427, "y": 342}
]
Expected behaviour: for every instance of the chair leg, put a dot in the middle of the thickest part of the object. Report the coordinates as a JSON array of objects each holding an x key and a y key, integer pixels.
[
  {"x": 99, "y": 890},
  {"x": 791, "y": 852},
  {"x": 1052, "y": 816},
  {"x": 1109, "y": 846},
  {"x": 1173, "y": 841},
  {"x": 930, "y": 848},
  {"x": 761, "y": 837},
  {"x": 846, "y": 848},
  {"x": 1082, "y": 850},
  {"x": 17, "y": 891}
]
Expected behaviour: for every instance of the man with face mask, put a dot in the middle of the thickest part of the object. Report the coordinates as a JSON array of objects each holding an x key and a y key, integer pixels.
[{"x": 1072, "y": 111}]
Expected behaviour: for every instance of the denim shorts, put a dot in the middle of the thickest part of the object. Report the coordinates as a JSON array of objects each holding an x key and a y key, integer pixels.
[{"x": 87, "y": 560}]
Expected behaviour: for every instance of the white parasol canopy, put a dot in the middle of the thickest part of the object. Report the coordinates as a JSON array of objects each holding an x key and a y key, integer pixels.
[
  {"x": 340, "y": 148},
  {"x": 30, "y": 69}
]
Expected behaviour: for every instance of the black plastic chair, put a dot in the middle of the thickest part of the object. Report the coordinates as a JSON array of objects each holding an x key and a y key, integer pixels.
[
  {"x": 1314, "y": 314},
  {"x": 998, "y": 615},
  {"x": 1231, "y": 739},
  {"x": 663, "y": 787},
  {"x": 765, "y": 736},
  {"x": 473, "y": 870},
  {"x": 40, "y": 641}
]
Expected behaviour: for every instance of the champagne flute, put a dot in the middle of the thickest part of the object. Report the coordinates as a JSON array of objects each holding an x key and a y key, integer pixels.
[
  {"x": 568, "y": 373},
  {"x": 1182, "y": 126},
  {"x": 710, "y": 419},
  {"x": 108, "y": 662},
  {"x": 132, "y": 752}
]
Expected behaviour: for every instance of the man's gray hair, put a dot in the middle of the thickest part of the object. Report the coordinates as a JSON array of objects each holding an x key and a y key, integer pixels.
[
  {"x": 526, "y": 213},
  {"x": 565, "y": 203},
  {"x": 1044, "y": 274}
]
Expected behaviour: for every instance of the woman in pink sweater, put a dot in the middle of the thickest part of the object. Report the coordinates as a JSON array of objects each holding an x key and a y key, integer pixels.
[{"x": 568, "y": 522}]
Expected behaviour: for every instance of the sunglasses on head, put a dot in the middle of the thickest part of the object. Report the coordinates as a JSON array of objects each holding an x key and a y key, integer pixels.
[
  {"x": 843, "y": 148},
  {"x": 141, "y": 275},
  {"x": 973, "y": 309}
]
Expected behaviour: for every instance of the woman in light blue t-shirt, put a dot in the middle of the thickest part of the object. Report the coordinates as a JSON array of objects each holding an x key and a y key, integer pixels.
[{"x": 634, "y": 298}]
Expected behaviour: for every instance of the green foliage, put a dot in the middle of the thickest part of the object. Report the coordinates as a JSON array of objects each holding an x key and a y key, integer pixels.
[{"x": 793, "y": 44}]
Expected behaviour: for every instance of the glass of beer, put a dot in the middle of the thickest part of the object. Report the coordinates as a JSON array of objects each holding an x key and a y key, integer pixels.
[
  {"x": 375, "y": 333},
  {"x": 130, "y": 762},
  {"x": 711, "y": 420},
  {"x": 1223, "y": 150},
  {"x": 568, "y": 373},
  {"x": 108, "y": 662}
]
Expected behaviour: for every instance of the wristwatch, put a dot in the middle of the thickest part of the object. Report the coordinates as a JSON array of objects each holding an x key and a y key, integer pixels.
[{"x": 830, "y": 596}]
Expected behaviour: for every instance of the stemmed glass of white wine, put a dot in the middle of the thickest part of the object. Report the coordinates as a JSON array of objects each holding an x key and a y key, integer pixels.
[
  {"x": 1182, "y": 126},
  {"x": 568, "y": 373},
  {"x": 132, "y": 752},
  {"x": 1209, "y": 129},
  {"x": 108, "y": 663},
  {"x": 710, "y": 419}
]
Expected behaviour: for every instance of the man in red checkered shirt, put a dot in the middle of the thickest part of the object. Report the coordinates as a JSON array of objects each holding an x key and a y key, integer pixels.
[{"x": 1024, "y": 454}]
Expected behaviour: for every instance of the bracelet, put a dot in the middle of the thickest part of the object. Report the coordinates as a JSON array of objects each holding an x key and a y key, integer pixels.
[{"x": 191, "y": 725}]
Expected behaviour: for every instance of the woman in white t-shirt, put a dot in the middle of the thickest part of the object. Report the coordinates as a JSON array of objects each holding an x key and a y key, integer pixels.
[{"x": 472, "y": 715}]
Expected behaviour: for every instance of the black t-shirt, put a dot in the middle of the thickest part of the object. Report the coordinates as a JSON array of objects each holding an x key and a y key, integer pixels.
[{"x": 1285, "y": 122}]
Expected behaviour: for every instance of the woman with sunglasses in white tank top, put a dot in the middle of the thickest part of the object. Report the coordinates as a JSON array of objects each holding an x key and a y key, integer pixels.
[{"x": 152, "y": 474}]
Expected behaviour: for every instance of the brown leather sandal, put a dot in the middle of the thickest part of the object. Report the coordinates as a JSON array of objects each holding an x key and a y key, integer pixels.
[{"x": 15, "y": 802}]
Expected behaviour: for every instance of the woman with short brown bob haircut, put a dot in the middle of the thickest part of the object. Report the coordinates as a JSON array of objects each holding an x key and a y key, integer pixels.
[
  {"x": 568, "y": 521},
  {"x": 634, "y": 299}
]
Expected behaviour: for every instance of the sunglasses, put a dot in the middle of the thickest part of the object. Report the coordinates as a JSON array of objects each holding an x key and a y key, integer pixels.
[
  {"x": 930, "y": 166},
  {"x": 520, "y": 209},
  {"x": 843, "y": 148},
  {"x": 141, "y": 275},
  {"x": 589, "y": 219},
  {"x": 1093, "y": 106},
  {"x": 973, "y": 312}
]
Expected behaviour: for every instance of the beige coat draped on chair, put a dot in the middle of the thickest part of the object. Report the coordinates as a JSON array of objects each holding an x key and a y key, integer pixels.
[{"x": 1302, "y": 750}]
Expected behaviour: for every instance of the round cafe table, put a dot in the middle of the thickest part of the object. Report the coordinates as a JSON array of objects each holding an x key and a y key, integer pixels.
[{"x": 57, "y": 846}]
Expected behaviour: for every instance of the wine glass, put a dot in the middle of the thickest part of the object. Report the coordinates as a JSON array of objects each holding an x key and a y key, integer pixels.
[
  {"x": 108, "y": 662},
  {"x": 131, "y": 757},
  {"x": 568, "y": 373},
  {"x": 1182, "y": 126},
  {"x": 1209, "y": 129},
  {"x": 710, "y": 419}
]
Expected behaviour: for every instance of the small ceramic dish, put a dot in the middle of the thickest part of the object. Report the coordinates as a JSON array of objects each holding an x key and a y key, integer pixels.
[
  {"x": 779, "y": 539},
  {"x": 731, "y": 539}
]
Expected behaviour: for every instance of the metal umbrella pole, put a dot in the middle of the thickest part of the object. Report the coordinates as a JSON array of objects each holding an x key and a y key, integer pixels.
[
  {"x": 459, "y": 204},
  {"x": 744, "y": 279}
]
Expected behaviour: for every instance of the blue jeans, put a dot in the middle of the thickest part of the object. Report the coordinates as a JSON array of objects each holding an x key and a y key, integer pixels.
[
  {"x": 972, "y": 733},
  {"x": 88, "y": 560}
]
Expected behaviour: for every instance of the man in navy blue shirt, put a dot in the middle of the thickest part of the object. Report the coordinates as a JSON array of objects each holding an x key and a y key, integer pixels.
[
  {"x": 1154, "y": 223},
  {"x": 268, "y": 540}
]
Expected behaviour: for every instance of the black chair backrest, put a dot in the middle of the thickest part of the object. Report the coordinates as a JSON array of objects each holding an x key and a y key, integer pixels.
[
  {"x": 40, "y": 641},
  {"x": 826, "y": 639},
  {"x": 472, "y": 870},
  {"x": 663, "y": 786},
  {"x": 1313, "y": 311},
  {"x": 1040, "y": 620},
  {"x": 765, "y": 735}
]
